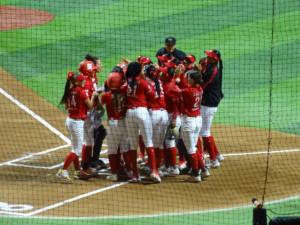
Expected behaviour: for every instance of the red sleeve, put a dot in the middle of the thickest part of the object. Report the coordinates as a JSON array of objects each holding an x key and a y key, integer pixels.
[
  {"x": 183, "y": 83},
  {"x": 174, "y": 89},
  {"x": 211, "y": 78},
  {"x": 104, "y": 98},
  {"x": 84, "y": 95},
  {"x": 149, "y": 92}
]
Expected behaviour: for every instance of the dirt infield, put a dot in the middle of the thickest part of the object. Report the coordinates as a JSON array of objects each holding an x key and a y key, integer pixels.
[
  {"x": 32, "y": 180},
  {"x": 12, "y": 18}
]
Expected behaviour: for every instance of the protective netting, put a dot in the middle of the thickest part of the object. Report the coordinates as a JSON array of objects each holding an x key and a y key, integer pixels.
[{"x": 256, "y": 126}]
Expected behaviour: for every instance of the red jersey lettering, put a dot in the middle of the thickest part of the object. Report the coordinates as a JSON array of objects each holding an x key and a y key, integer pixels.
[{"x": 76, "y": 107}]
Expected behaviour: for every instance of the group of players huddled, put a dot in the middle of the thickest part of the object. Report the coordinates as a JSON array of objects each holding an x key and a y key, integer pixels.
[{"x": 163, "y": 108}]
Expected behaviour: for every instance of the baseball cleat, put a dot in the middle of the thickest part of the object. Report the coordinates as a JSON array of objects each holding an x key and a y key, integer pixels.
[
  {"x": 193, "y": 179},
  {"x": 79, "y": 174},
  {"x": 135, "y": 178},
  {"x": 220, "y": 157},
  {"x": 155, "y": 177},
  {"x": 141, "y": 158},
  {"x": 186, "y": 170},
  {"x": 112, "y": 177},
  {"x": 165, "y": 171},
  {"x": 212, "y": 164},
  {"x": 160, "y": 172},
  {"x": 205, "y": 173},
  {"x": 174, "y": 172},
  {"x": 64, "y": 175},
  {"x": 129, "y": 174},
  {"x": 90, "y": 172},
  {"x": 182, "y": 165},
  {"x": 95, "y": 166},
  {"x": 146, "y": 169}
]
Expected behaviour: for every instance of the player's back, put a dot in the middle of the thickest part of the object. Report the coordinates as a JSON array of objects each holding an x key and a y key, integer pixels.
[{"x": 76, "y": 103}]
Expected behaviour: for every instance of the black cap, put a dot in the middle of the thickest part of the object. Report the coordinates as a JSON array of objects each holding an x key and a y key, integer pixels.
[{"x": 170, "y": 41}]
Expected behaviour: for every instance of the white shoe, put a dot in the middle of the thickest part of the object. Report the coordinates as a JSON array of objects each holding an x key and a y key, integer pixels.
[
  {"x": 165, "y": 171},
  {"x": 205, "y": 173},
  {"x": 182, "y": 165},
  {"x": 64, "y": 175},
  {"x": 113, "y": 177},
  {"x": 193, "y": 179},
  {"x": 212, "y": 164},
  {"x": 174, "y": 171},
  {"x": 220, "y": 157},
  {"x": 129, "y": 174},
  {"x": 160, "y": 172},
  {"x": 135, "y": 178},
  {"x": 141, "y": 158},
  {"x": 155, "y": 177}
]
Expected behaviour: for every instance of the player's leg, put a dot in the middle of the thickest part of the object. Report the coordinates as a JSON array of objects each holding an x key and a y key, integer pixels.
[
  {"x": 99, "y": 136},
  {"x": 87, "y": 149}
]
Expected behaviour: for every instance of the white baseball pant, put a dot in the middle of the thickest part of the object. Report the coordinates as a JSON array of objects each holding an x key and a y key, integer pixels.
[
  {"x": 172, "y": 143},
  {"x": 75, "y": 131},
  {"x": 139, "y": 119},
  {"x": 117, "y": 134},
  {"x": 190, "y": 128},
  {"x": 159, "y": 120},
  {"x": 207, "y": 114},
  {"x": 88, "y": 128}
]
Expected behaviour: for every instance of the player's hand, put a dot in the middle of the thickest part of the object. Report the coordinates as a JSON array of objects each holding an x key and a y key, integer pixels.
[
  {"x": 156, "y": 66},
  {"x": 197, "y": 67},
  {"x": 127, "y": 61},
  {"x": 173, "y": 123},
  {"x": 179, "y": 70}
]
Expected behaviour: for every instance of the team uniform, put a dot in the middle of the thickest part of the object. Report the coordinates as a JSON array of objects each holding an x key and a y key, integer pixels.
[
  {"x": 190, "y": 121},
  {"x": 212, "y": 95},
  {"x": 74, "y": 125},
  {"x": 116, "y": 133},
  {"x": 138, "y": 118}
]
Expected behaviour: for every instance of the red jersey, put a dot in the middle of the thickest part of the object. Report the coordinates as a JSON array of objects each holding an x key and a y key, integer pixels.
[
  {"x": 159, "y": 101},
  {"x": 89, "y": 87},
  {"x": 76, "y": 106},
  {"x": 172, "y": 102},
  {"x": 94, "y": 80},
  {"x": 191, "y": 98},
  {"x": 139, "y": 94},
  {"x": 108, "y": 99}
]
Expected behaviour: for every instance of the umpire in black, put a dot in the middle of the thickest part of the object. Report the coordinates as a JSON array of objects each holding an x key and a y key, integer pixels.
[{"x": 170, "y": 47}]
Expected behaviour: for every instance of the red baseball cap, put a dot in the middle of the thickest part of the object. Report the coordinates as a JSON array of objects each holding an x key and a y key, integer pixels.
[
  {"x": 170, "y": 63},
  {"x": 164, "y": 70},
  {"x": 81, "y": 77},
  {"x": 191, "y": 58},
  {"x": 212, "y": 55},
  {"x": 145, "y": 60},
  {"x": 139, "y": 59}
]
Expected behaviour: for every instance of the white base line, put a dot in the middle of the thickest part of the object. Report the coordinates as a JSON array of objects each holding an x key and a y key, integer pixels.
[
  {"x": 34, "y": 154},
  {"x": 256, "y": 153},
  {"x": 40, "y": 119},
  {"x": 13, "y": 213},
  {"x": 74, "y": 199}
]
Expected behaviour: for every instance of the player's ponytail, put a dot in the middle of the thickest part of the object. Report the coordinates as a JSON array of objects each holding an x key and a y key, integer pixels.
[
  {"x": 134, "y": 69},
  {"x": 150, "y": 73},
  {"x": 196, "y": 77},
  {"x": 157, "y": 85},
  {"x": 218, "y": 54},
  {"x": 94, "y": 59},
  {"x": 65, "y": 97},
  {"x": 116, "y": 101}
]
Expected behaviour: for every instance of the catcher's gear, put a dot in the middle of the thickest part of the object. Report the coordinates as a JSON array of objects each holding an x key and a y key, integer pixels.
[
  {"x": 172, "y": 133},
  {"x": 114, "y": 81},
  {"x": 87, "y": 68}
]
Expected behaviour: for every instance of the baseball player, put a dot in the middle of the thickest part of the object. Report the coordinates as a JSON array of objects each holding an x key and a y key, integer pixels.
[
  {"x": 212, "y": 95},
  {"x": 116, "y": 109},
  {"x": 77, "y": 103},
  {"x": 138, "y": 118},
  {"x": 157, "y": 111},
  {"x": 191, "y": 119}
]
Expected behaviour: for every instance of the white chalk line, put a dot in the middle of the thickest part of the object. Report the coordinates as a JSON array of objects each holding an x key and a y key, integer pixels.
[
  {"x": 75, "y": 198},
  {"x": 40, "y": 119},
  {"x": 13, "y": 213},
  {"x": 266, "y": 152}
]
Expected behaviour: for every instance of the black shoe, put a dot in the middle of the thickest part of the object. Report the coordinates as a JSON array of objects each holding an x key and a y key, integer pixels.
[
  {"x": 95, "y": 166},
  {"x": 186, "y": 170}
]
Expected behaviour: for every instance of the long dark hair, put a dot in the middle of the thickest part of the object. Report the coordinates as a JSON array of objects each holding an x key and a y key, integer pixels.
[
  {"x": 66, "y": 94},
  {"x": 218, "y": 54},
  {"x": 133, "y": 71},
  {"x": 171, "y": 71},
  {"x": 151, "y": 73},
  {"x": 94, "y": 59}
]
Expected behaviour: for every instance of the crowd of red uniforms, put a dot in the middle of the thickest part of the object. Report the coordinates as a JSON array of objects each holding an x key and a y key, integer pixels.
[{"x": 170, "y": 101}]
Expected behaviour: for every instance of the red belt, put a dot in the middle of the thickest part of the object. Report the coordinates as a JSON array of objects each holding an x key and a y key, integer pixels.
[{"x": 155, "y": 109}]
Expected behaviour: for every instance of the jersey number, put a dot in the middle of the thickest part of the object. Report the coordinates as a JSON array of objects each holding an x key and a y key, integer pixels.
[
  {"x": 161, "y": 91},
  {"x": 73, "y": 102},
  {"x": 129, "y": 90},
  {"x": 197, "y": 100}
]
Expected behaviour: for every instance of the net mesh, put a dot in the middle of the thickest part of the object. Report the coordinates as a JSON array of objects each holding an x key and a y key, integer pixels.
[{"x": 256, "y": 126}]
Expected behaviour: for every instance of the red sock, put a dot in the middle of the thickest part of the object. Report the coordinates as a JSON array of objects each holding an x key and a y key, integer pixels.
[
  {"x": 166, "y": 157},
  {"x": 151, "y": 157},
  {"x": 173, "y": 156},
  {"x": 86, "y": 153},
  {"x": 113, "y": 162},
  {"x": 215, "y": 147},
  {"x": 209, "y": 144},
  {"x": 142, "y": 145},
  {"x": 159, "y": 153},
  {"x": 127, "y": 160},
  {"x": 70, "y": 158},
  {"x": 181, "y": 157},
  {"x": 76, "y": 162},
  {"x": 194, "y": 161},
  {"x": 200, "y": 160},
  {"x": 133, "y": 156},
  {"x": 199, "y": 145}
]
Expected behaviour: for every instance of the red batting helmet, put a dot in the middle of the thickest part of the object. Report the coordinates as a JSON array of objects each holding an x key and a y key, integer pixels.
[
  {"x": 87, "y": 68},
  {"x": 114, "y": 81}
]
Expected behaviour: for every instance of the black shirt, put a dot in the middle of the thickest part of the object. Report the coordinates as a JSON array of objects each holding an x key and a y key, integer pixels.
[
  {"x": 212, "y": 86},
  {"x": 176, "y": 53}
]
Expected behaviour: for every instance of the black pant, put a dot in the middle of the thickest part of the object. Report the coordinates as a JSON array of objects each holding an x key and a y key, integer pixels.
[{"x": 99, "y": 136}]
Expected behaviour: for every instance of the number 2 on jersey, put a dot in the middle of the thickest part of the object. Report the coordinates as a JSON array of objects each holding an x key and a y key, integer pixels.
[{"x": 197, "y": 100}]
